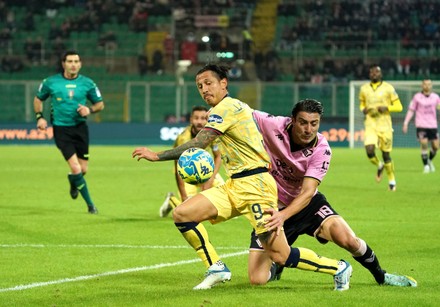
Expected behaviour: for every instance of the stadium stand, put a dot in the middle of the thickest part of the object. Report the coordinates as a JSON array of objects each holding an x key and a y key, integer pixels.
[{"x": 315, "y": 42}]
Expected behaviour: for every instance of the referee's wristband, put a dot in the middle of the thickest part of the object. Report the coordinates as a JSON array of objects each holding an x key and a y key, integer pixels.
[
  {"x": 91, "y": 110},
  {"x": 38, "y": 115}
]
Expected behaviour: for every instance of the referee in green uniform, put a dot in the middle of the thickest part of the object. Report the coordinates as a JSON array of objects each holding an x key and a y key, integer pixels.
[{"x": 69, "y": 92}]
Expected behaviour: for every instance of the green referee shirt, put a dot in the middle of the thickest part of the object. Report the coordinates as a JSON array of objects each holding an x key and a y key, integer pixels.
[{"x": 66, "y": 95}]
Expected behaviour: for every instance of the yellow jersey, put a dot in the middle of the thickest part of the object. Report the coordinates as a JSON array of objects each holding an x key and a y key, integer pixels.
[
  {"x": 373, "y": 95},
  {"x": 241, "y": 144}
]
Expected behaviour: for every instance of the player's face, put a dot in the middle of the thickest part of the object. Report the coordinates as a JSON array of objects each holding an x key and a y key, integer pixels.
[
  {"x": 210, "y": 88},
  {"x": 305, "y": 127},
  {"x": 198, "y": 120},
  {"x": 427, "y": 86},
  {"x": 71, "y": 66},
  {"x": 375, "y": 74}
]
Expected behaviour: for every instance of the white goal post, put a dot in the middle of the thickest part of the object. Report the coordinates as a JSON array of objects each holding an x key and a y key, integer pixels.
[{"x": 406, "y": 90}]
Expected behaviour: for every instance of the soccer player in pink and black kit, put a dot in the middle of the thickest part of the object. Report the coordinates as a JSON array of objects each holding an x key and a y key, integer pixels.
[
  {"x": 425, "y": 104},
  {"x": 300, "y": 158}
]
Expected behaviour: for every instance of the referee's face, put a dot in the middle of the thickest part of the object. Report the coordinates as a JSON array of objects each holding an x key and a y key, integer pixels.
[{"x": 71, "y": 66}]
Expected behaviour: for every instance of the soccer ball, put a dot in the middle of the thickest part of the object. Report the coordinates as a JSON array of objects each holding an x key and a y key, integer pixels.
[{"x": 195, "y": 166}]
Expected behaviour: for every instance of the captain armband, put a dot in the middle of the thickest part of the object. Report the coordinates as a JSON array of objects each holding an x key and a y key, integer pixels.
[{"x": 38, "y": 115}]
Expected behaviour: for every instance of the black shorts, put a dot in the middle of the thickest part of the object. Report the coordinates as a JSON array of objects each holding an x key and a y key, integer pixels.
[
  {"x": 427, "y": 133},
  {"x": 307, "y": 221},
  {"x": 72, "y": 140}
]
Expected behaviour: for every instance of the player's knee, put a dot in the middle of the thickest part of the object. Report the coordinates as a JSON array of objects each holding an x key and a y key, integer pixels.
[
  {"x": 76, "y": 169},
  {"x": 258, "y": 279},
  {"x": 177, "y": 215},
  {"x": 370, "y": 153}
]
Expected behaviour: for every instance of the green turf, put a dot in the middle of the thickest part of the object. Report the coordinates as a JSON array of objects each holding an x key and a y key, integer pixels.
[{"x": 128, "y": 255}]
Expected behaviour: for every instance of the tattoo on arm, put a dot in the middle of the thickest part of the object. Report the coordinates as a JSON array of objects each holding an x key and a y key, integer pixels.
[{"x": 202, "y": 140}]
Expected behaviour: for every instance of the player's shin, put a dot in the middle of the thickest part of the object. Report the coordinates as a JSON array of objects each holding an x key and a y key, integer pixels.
[
  {"x": 389, "y": 168},
  {"x": 197, "y": 236},
  {"x": 308, "y": 260},
  {"x": 80, "y": 183},
  {"x": 174, "y": 202},
  {"x": 369, "y": 261}
]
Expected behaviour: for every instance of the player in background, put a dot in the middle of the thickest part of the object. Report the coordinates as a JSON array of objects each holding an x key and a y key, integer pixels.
[
  {"x": 425, "y": 104},
  {"x": 301, "y": 158},
  {"x": 69, "y": 92},
  {"x": 197, "y": 120},
  {"x": 250, "y": 190},
  {"x": 377, "y": 100}
]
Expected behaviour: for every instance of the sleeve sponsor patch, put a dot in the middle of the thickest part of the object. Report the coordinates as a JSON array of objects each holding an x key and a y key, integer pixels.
[{"x": 214, "y": 118}]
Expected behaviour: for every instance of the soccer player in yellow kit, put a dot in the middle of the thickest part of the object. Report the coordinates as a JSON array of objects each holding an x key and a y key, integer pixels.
[
  {"x": 377, "y": 100},
  {"x": 250, "y": 190},
  {"x": 198, "y": 120}
]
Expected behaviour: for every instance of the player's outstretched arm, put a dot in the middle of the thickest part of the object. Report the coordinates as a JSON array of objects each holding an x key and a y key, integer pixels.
[
  {"x": 144, "y": 153},
  {"x": 202, "y": 139}
]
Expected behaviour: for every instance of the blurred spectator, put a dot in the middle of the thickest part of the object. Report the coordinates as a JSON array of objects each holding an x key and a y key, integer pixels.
[
  {"x": 388, "y": 66},
  {"x": 434, "y": 66},
  {"x": 189, "y": 49},
  {"x": 66, "y": 28},
  {"x": 12, "y": 64},
  {"x": 157, "y": 65},
  {"x": 224, "y": 43},
  {"x": 37, "y": 49},
  {"x": 29, "y": 22},
  {"x": 168, "y": 45},
  {"x": 271, "y": 65},
  {"x": 54, "y": 31},
  {"x": 170, "y": 118},
  {"x": 142, "y": 64},
  {"x": 139, "y": 18},
  {"x": 3, "y": 10},
  {"x": 10, "y": 23},
  {"x": 108, "y": 41},
  {"x": 404, "y": 66},
  {"x": 235, "y": 72},
  {"x": 5, "y": 37},
  {"x": 58, "y": 48},
  {"x": 259, "y": 65},
  {"x": 28, "y": 48},
  {"x": 248, "y": 42},
  {"x": 339, "y": 72}
]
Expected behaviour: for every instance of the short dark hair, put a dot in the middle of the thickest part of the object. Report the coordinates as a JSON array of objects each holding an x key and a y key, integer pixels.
[
  {"x": 220, "y": 70},
  {"x": 307, "y": 105},
  {"x": 199, "y": 108},
  {"x": 69, "y": 52}
]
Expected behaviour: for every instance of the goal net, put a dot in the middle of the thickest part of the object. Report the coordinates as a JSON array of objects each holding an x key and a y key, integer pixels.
[{"x": 405, "y": 90}]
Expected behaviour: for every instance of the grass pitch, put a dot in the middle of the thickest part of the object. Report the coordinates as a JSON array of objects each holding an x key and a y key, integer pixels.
[{"x": 53, "y": 253}]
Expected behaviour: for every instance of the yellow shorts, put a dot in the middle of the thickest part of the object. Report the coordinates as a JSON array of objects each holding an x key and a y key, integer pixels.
[
  {"x": 382, "y": 139},
  {"x": 379, "y": 132},
  {"x": 192, "y": 189},
  {"x": 248, "y": 196}
]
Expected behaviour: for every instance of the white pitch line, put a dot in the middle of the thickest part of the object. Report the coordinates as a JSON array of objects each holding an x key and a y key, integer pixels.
[
  {"x": 108, "y": 246},
  {"x": 123, "y": 271}
]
